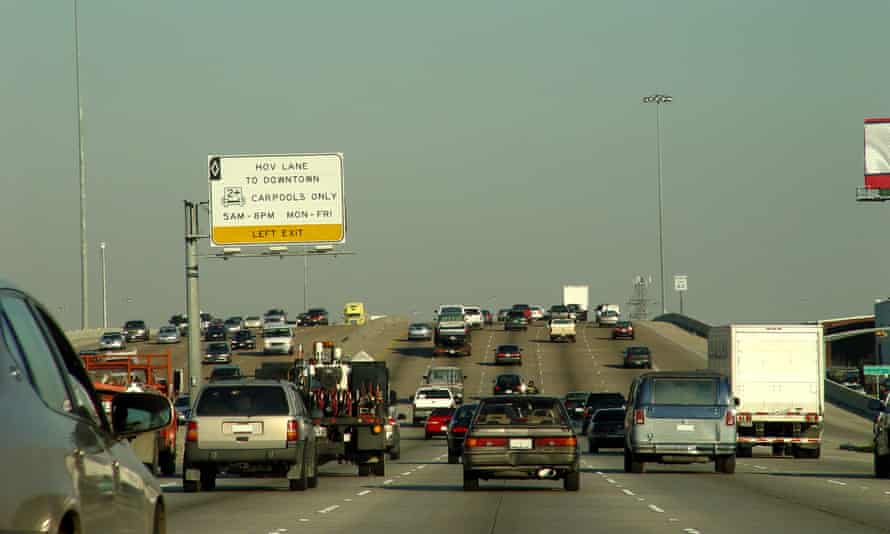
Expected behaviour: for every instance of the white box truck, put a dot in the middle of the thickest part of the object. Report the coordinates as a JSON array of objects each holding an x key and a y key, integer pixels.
[
  {"x": 579, "y": 296},
  {"x": 777, "y": 373}
]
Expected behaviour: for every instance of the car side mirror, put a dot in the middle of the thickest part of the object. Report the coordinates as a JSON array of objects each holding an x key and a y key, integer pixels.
[
  {"x": 875, "y": 405},
  {"x": 138, "y": 413},
  {"x": 736, "y": 401}
]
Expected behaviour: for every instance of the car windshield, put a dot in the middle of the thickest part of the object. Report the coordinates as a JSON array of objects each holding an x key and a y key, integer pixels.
[
  {"x": 464, "y": 414},
  {"x": 277, "y": 332},
  {"x": 135, "y": 324},
  {"x": 451, "y": 310},
  {"x": 602, "y": 416},
  {"x": 517, "y": 315},
  {"x": 520, "y": 411},
  {"x": 450, "y": 317},
  {"x": 622, "y": 324},
  {"x": 558, "y": 308},
  {"x": 167, "y": 330},
  {"x": 222, "y": 401},
  {"x": 433, "y": 394},
  {"x": 314, "y": 311},
  {"x": 182, "y": 402},
  {"x": 610, "y": 313},
  {"x": 508, "y": 348},
  {"x": 473, "y": 311},
  {"x": 637, "y": 350},
  {"x": 684, "y": 391},
  {"x": 110, "y": 337},
  {"x": 226, "y": 372},
  {"x": 418, "y": 326},
  {"x": 233, "y": 321},
  {"x": 442, "y": 411}
]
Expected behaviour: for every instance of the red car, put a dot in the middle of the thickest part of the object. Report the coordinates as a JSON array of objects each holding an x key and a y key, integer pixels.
[
  {"x": 525, "y": 309},
  {"x": 623, "y": 329},
  {"x": 508, "y": 354},
  {"x": 437, "y": 422}
]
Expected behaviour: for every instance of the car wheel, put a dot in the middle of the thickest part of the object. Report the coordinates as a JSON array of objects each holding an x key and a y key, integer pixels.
[
  {"x": 379, "y": 468},
  {"x": 396, "y": 453},
  {"x": 744, "y": 452},
  {"x": 631, "y": 463},
  {"x": 426, "y": 435},
  {"x": 167, "y": 461},
  {"x": 208, "y": 478},
  {"x": 882, "y": 465},
  {"x": 471, "y": 481},
  {"x": 364, "y": 470},
  {"x": 300, "y": 484},
  {"x": 592, "y": 447},
  {"x": 190, "y": 486},
  {"x": 453, "y": 457},
  {"x": 779, "y": 450},
  {"x": 572, "y": 481},
  {"x": 725, "y": 464}
]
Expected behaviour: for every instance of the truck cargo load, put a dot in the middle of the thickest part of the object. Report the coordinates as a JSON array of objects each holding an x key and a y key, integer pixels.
[{"x": 578, "y": 295}]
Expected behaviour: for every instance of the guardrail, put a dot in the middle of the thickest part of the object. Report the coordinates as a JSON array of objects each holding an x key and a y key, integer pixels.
[{"x": 837, "y": 394}]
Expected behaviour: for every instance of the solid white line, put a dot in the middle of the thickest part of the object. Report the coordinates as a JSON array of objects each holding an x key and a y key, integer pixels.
[
  {"x": 406, "y": 473},
  {"x": 656, "y": 509},
  {"x": 838, "y": 482},
  {"x": 759, "y": 467},
  {"x": 385, "y": 482},
  {"x": 169, "y": 484},
  {"x": 330, "y": 508},
  {"x": 628, "y": 492},
  {"x": 363, "y": 493}
]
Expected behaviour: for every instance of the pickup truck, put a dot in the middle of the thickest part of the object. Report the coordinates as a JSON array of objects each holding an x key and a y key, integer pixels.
[
  {"x": 429, "y": 398},
  {"x": 562, "y": 330}
]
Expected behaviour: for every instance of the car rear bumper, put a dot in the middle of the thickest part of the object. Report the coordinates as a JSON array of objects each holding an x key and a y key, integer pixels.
[
  {"x": 684, "y": 449},
  {"x": 637, "y": 363},
  {"x": 195, "y": 455},
  {"x": 508, "y": 359},
  {"x": 519, "y": 463}
]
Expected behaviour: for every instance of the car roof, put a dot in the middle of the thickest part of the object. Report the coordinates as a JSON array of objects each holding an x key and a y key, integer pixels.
[
  {"x": 518, "y": 397},
  {"x": 700, "y": 373},
  {"x": 248, "y": 382}
]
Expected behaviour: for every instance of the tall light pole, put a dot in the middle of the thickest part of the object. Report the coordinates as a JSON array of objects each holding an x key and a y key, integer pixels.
[
  {"x": 305, "y": 283},
  {"x": 658, "y": 100},
  {"x": 104, "y": 287},
  {"x": 84, "y": 297}
]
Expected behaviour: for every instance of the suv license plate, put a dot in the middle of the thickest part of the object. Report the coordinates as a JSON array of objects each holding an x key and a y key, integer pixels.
[
  {"x": 523, "y": 444},
  {"x": 242, "y": 429},
  {"x": 686, "y": 428}
]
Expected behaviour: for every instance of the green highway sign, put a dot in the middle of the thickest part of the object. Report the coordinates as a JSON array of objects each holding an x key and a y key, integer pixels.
[{"x": 875, "y": 370}]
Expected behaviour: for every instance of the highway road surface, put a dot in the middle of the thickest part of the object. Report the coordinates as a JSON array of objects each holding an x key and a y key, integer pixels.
[{"x": 421, "y": 492}]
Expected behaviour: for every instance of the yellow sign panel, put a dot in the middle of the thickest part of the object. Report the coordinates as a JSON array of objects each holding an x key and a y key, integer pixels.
[{"x": 295, "y": 233}]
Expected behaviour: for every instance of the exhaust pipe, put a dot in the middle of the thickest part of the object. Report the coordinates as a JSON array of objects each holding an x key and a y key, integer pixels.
[{"x": 546, "y": 473}]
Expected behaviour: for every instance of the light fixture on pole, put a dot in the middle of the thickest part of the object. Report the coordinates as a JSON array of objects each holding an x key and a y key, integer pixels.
[
  {"x": 104, "y": 287},
  {"x": 658, "y": 100}
]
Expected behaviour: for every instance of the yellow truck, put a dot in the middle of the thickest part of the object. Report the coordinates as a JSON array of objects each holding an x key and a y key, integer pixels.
[{"x": 354, "y": 313}]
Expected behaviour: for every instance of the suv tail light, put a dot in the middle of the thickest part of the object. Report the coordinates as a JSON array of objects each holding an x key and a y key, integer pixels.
[
  {"x": 639, "y": 416},
  {"x": 485, "y": 442},
  {"x": 730, "y": 418},
  {"x": 191, "y": 435},
  {"x": 293, "y": 431},
  {"x": 460, "y": 429},
  {"x": 556, "y": 442}
]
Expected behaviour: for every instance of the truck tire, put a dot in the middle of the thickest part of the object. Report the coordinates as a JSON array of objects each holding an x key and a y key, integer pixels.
[
  {"x": 379, "y": 468},
  {"x": 208, "y": 478},
  {"x": 631, "y": 463},
  {"x": 364, "y": 470},
  {"x": 592, "y": 447},
  {"x": 744, "y": 452},
  {"x": 471, "y": 481},
  {"x": 725, "y": 464},
  {"x": 167, "y": 462},
  {"x": 572, "y": 481},
  {"x": 396, "y": 453},
  {"x": 453, "y": 457},
  {"x": 882, "y": 465},
  {"x": 427, "y": 436}
]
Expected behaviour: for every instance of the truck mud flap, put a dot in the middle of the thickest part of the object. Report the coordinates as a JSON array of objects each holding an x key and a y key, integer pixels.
[{"x": 366, "y": 440}]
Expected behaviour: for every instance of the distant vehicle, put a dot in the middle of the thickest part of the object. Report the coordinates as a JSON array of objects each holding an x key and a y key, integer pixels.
[
  {"x": 598, "y": 401},
  {"x": 524, "y": 308},
  {"x": 452, "y": 335},
  {"x": 59, "y": 448},
  {"x": 233, "y": 324},
  {"x": 680, "y": 417},
  {"x": 244, "y": 339},
  {"x": 457, "y": 429},
  {"x": 575, "y": 402},
  {"x": 426, "y": 399},
  {"x": 437, "y": 422},
  {"x": 606, "y": 430},
  {"x": 316, "y": 317},
  {"x": 473, "y": 316},
  {"x": 217, "y": 353},
  {"x": 508, "y": 354},
  {"x": 576, "y": 313},
  {"x": 487, "y": 317},
  {"x": 537, "y": 313},
  {"x": 558, "y": 311},
  {"x": 577, "y": 300},
  {"x": 206, "y": 318},
  {"x": 449, "y": 309},
  {"x": 502, "y": 314},
  {"x": 608, "y": 318},
  {"x": 275, "y": 316},
  {"x": 516, "y": 320},
  {"x": 638, "y": 357},
  {"x": 168, "y": 334},
  {"x": 182, "y": 406},
  {"x": 270, "y": 414},
  {"x": 135, "y": 330},
  {"x": 562, "y": 330},
  {"x": 448, "y": 377},
  {"x": 623, "y": 329},
  {"x": 180, "y": 321},
  {"x": 253, "y": 322},
  {"x": 226, "y": 372},
  {"x": 278, "y": 340},
  {"x": 354, "y": 313},
  {"x": 508, "y": 384},
  {"x": 420, "y": 332},
  {"x": 521, "y": 437},
  {"x": 112, "y": 341},
  {"x": 216, "y": 333},
  {"x": 393, "y": 439},
  {"x": 303, "y": 319},
  {"x": 777, "y": 372}
]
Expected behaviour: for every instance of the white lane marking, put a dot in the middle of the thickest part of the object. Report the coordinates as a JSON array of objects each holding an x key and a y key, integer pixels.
[
  {"x": 385, "y": 482},
  {"x": 421, "y": 466},
  {"x": 656, "y": 509},
  {"x": 760, "y": 467},
  {"x": 406, "y": 473},
  {"x": 610, "y": 481},
  {"x": 673, "y": 519},
  {"x": 691, "y": 531},
  {"x": 303, "y": 520},
  {"x": 347, "y": 500},
  {"x": 600, "y": 473},
  {"x": 363, "y": 493},
  {"x": 837, "y": 482},
  {"x": 169, "y": 484},
  {"x": 329, "y": 509},
  {"x": 628, "y": 492},
  {"x": 640, "y": 499}
]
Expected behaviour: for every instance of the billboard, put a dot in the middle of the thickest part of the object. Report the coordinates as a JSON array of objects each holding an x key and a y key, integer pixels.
[
  {"x": 292, "y": 199},
  {"x": 877, "y": 153}
]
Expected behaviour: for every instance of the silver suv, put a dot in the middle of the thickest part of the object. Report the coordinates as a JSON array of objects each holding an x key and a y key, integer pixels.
[
  {"x": 680, "y": 417},
  {"x": 250, "y": 426}
]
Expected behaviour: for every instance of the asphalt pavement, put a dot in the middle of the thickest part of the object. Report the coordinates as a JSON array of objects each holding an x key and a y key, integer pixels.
[{"x": 422, "y": 492}]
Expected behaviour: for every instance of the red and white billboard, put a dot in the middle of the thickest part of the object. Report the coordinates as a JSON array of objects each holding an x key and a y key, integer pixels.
[{"x": 877, "y": 153}]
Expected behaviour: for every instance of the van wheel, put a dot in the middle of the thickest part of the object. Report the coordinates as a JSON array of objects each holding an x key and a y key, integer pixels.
[
  {"x": 167, "y": 461},
  {"x": 882, "y": 466},
  {"x": 572, "y": 481},
  {"x": 313, "y": 478},
  {"x": 631, "y": 463},
  {"x": 744, "y": 452},
  {"x": 725, "y": 464},
  {"x": 208, "y": 478},
  {"x": 300, "y": 484},
  {"x": 471, "y": 481},
  {"x": 364, "y": 470},
  {"x": 379, "y": 469}
]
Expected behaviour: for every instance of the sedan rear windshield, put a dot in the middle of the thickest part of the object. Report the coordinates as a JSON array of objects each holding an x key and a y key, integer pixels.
[
  {"x": 608, "y": 416},
  {"x": 135, "y": 324},
  {"x": 218, "y": 347},
  {"x": 508, "y": 348},
  {"x": 637, "y": 350},
  {"x": 222, "y": 401},
  {"x": 520, "y": 412},
  {"x": 508, "y": 380},
  {"x": 277, "y": 332},
  {"x": 433, "y": 394},
  {"x": 606, "y": 400},
  {"x": 684, "y": 392}
]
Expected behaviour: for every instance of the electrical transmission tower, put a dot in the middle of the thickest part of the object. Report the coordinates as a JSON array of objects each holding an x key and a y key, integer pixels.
[{"x": 639, "y": 303}]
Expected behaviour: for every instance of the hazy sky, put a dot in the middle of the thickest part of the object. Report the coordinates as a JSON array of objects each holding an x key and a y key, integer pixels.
[{"x": 493, "y": 150}]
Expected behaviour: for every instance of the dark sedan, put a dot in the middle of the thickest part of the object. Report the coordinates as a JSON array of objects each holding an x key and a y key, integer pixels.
[
  {"x": 575, "y": 402},
  {"x": 316, "y": 317},
  {"x": 508, "y": 384},
  {"x": 516, "y": 320},
  {"x": 216, "y": 333},
  {"x": 527, "y": 437},
  {"x": 508, "y": 354},
  {"x": 457, "y": 430},
  {"x": 606, "y": 430},
  {"x": 638, "y": 357},
  {"x": 244, "y": 339}
]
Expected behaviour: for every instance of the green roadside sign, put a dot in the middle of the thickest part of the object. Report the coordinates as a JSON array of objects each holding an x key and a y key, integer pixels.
[{"x": 876, "y": 370}]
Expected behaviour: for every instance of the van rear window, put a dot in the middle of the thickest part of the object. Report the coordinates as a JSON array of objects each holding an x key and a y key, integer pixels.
[
  {"x": 683, "y": 391},
  {"x": 243, "y": 401}
]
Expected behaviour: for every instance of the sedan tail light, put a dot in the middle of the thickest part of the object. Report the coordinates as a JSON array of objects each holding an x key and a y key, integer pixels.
[
  {"x": 293, "y": 431},
  {"x": 191, "y": 434},
  {"x": 730, "y": 418},
  {"x": 485, "y": 442},
  {"x": 556, "y": 442}
]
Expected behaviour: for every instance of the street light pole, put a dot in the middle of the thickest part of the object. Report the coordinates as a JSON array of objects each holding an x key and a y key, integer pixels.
[
  {"x": 305, "y": 283},
  {"x": 658, "y": 100},
  {"x": 104, "y": 288},
  {"x": 84, "y": 297}
]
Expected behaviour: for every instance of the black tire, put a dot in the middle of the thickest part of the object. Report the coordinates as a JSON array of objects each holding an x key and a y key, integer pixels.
[
  {"x": 453, "y": 457},
  {"x": 471, "y": 481},
  {"x": 364, "y": 470},
  {"x": 572, "y": 481},
  {"x": 632, "y": 464},
  {"x": 725, "y": 464},
  {"x": 592, "y": 447},
  {"x": 744, "y": 452},
  {"x": 882, "y": 465},
  {"x": 396, "y": 453},
  {"x": 379, "y": 469},
  {"x": 426, "y": 435},
  {"x": 300, "y": 484},
  {"x": 208, "y": 478},
  {"x": 167, "y": 462},
  {"x": 190, "y": 486},
  {"x": 159, "y": 521},
  {"x": 313, "y": 476},
  {"x": 779, "y": 450}
]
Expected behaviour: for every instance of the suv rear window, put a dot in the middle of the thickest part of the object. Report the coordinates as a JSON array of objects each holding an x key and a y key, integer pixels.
[
  {"x": 135, "y": 324},
  {"x": 433, "y": 394},
  {"x": 520, "y": 412},
  {"x": 221, "y": 401},
  {"x": 608, "y": 416},
  {"x": 606, "y": 400},
  {"x": 684, "y": 392}
]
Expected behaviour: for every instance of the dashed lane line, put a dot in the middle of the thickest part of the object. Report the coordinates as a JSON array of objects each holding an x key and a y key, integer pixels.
[
  {"x": 656, "y": 509},
  {"x": 363, "y": 493},
  {"x": 329, "y": 509}
]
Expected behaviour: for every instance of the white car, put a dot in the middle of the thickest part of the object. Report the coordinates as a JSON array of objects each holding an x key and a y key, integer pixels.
[
  {"x": 426, "y": 399},
  {"x": 168, "y": 334},
  {"x": 112, "y": 340},
  {"x": 473, "y": 316},
  {"x": 537, "y": 313},
  {"x": 608, "y": 318},
  {"x": 253, "y": 322},
  {"x": 278, "y": 339}
]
